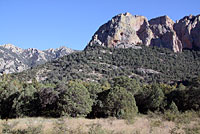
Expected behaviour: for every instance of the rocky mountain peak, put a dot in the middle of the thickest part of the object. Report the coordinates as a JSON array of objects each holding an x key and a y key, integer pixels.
[
  {"x": 64, "y": 48},
  {"x": 126, "y": 30},
  {"x": 8, "y": 46},
  {"x": 120, "y": 31},
  {"x": 14, "y": 59},
  {"x": 12, "y": 48},
  {"x": 188, "y": 31},
  {"x": 162, "y": 20}
]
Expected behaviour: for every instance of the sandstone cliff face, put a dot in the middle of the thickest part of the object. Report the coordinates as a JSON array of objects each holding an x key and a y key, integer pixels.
[
  {"x": 126, "y": 30},
  {"x": 14, "y": 59},
  {"x": 164, "y": 34},
  {"x": 121, "y": 31},
  {"x": 188, "y": 31}
]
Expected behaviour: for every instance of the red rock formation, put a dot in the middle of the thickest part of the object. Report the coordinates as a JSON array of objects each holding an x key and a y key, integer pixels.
[
  {"x": 126, "y": 30},
  {"x": 164, "y": 34},
  {"x": 188, "y": 31}
]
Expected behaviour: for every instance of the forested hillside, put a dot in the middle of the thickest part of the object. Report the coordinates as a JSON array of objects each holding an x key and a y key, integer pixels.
[{"x": 148, "y": 64}]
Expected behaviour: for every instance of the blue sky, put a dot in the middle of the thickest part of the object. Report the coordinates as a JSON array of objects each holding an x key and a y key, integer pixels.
[{"x": 47, "y": 24}]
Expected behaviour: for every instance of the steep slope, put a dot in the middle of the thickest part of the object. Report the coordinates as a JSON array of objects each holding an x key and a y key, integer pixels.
[
  {"x": 14, "y": 59},
  {"x": 149, "y": 64},
  {"x": 126, "y": 30}
]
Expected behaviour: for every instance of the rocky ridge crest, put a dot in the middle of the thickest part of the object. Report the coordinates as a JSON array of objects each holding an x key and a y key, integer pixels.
[
  {"x": 126, "y": 30},
  {"x": 14, "y": 59}
]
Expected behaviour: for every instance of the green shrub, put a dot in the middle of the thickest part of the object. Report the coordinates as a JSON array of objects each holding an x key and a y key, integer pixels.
[
  {"x": 49, "y": 98},
  {"x": 151, "y": 98},
  {"x": 173, "y": 108},
  {"x": 120, "y": 103},
  {"x": 93, "y": 88},
  {"x": 168, "y": 115},
  {"x": 28, "y": 103},
  {"x": 75, "y": 100},
  {"x": 186, "y": 99},
  {"x": 9, "y": 91},
  {"x": 129, "y": 84}
]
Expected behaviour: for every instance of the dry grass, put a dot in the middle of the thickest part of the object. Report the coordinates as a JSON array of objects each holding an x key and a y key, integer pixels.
[{"x": 141, "y": 125}]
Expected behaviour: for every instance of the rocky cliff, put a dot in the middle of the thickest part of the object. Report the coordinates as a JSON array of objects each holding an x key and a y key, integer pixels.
[
  {"x": 14, "y": 59},
  {"x": 126, "y": 30}
]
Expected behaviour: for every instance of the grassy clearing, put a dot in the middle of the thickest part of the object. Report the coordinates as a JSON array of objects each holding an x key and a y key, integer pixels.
[{"x": 142, "y": 124}]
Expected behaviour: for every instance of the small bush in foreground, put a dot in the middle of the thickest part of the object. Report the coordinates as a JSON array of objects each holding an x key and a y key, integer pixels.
[
  {"x": 75, "y": 100},
  {"x": 120, "y": 103}
]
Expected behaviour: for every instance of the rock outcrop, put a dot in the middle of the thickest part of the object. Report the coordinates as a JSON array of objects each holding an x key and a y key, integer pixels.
[
  {"x": 164, "y": 34},
  {"x": 126, "y": 30},
  {"x": 14, "y": 59},
  {"x": 121, "y": 31},
  {"x": 188, "y": 31}
]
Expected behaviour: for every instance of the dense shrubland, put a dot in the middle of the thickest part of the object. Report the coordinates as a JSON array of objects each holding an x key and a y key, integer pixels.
[
  {"x": 121, "y": 97},
  {"x": 148, "y": 65}
]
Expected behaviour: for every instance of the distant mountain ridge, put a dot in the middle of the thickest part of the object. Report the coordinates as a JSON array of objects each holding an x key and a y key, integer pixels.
[
  {"x": 127, "y": 30},
  {"x": 14, "y": 59}
]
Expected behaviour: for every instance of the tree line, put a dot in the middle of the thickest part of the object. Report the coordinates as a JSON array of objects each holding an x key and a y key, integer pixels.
[{"x": 120, "y": 97}]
